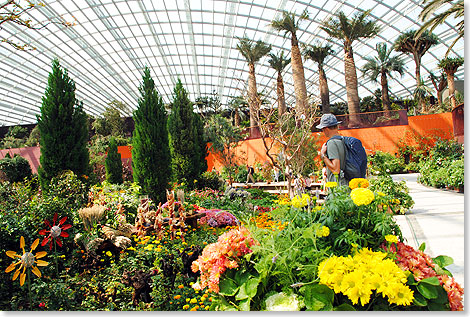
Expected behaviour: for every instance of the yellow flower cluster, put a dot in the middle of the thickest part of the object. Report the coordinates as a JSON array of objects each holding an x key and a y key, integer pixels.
[
  {"x": 358, "y": 183},
  {"x": 357, "y": 276},
  {"x": 391, "y": 238},
  {"x": 331, "y": 184},
  {"x": 283, "y": 200},
  {"x": 323, "y": 232},
  {"x": 362, "y": 196},
  {"x": 300, "y": 201}
]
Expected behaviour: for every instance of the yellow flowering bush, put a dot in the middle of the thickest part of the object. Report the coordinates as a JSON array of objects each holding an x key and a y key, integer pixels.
[
  {"x": 362, "y": 196},
  {"x": 300, "y": 201},
  {"x": 358, "y": 183},
  {"x": 366, "y": 271}
]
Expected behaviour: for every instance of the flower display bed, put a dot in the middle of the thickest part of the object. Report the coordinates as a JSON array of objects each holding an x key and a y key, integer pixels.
[{"x": 108, "y": 249}]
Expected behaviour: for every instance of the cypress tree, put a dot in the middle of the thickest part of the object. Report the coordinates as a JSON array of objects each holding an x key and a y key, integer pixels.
[
  {"x": 150, "y": 151},
  {"x": 201, "y": 143},
  {"x": 184, "y": 143},
  {"x": 113, "y": 163},
  {"x": 63, "y": 128}
]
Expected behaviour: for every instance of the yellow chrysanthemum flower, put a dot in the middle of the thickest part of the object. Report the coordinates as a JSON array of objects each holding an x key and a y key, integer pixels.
[
  {"x": 391, "y": 238},
  {"x": 358, "y": 183},
  {"x": 362, "y": 196},
  {"x": 331, "y": 184},
  {"x": 27, "y": 260}
]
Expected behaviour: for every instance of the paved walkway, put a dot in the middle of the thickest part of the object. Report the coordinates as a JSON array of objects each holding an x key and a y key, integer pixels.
[{"x": 437, "y": 219}]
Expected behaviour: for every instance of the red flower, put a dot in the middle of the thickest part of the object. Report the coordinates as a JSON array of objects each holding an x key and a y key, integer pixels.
[{"x": 55, "y": 231}]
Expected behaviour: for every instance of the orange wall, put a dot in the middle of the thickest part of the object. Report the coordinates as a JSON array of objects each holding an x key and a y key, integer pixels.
[{"x": 378, "y": 138}]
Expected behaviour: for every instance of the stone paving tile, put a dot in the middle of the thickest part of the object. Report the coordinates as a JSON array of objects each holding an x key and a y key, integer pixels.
[{"x": 437, "y": 219}]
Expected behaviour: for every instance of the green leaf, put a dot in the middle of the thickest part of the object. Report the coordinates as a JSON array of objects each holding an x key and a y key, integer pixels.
[
  {"x": 245, "y": 305},
  {"x": 318, "y": 297},
  {"x": 227, "y": 287},
  {"x": 411, "y": 280},
  {"x": 422, "y": 247},
  {"x": 308, "y": 233},
  {"x": 442, "y": 297},
  {"x": 248, "y": 289},
  {"x": 241, "y": 276},
  {"x": 344, "y": 307},
  {"x": 443, "y": 260},
  {"x": 436, "y": 306},
  {"x": 431, "y": 280},
  {"x": 419, "y": 300},
  {"x": 427, "y": 290}
]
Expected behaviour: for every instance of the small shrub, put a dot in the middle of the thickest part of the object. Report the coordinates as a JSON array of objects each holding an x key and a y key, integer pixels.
[
  {"x": 210, "y": 180},
  {"x": 15, "y": 168},
  {"x": 385, "y": 163}
]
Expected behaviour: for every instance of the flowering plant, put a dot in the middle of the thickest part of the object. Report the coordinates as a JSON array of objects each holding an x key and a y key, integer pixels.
[
  {"x": 55, "y": 231},
  {"x": 218, "y": 218},
  {"x": 358, "y": 183},
  {"x": 362, "y": 196},
  {"x": 217, "y": 257},
  {"x": 424, "y": 269},
  {"x": 365, "y": 273}
]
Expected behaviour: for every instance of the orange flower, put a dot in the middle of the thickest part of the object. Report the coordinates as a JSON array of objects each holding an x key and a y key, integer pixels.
[{"x": 27, "y": 260}]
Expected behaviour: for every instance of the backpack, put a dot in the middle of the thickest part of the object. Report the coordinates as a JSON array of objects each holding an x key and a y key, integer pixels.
[{"x": 356, "y": 157}]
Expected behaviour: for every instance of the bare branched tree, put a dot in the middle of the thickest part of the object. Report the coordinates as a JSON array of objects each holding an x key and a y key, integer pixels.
[
  {"x": 16, "y": 12},
  {"x": 286, "y": 138}
]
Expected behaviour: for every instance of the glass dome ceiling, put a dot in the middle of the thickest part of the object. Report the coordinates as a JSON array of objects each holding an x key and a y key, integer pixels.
[{"x": 194, "y": 40}]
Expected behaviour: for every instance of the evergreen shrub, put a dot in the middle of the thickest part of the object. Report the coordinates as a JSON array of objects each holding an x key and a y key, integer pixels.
[
  {"x": 113, "y": 163},
  {"x": 15, "y": 168}
]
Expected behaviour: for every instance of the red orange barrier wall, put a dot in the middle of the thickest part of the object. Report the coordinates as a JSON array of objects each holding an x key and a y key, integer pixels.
[
  {"x": 252, "y": 151},
  {"x": 378, "y": 138}
]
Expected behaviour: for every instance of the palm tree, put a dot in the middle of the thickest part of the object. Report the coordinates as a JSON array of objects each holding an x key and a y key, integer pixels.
[
  {"x": 408, "y": 43},
  {"x": 278, "y": 63},
  {"x": 238, "y": 105},
  {"x": 349, "y": 30},
  {"x": 384, "y": 65},
  {"x": 439, "y": 83},
  {"x": 318, "y": 54},
  {"x": 456, "y": 9},
  {"x": 252, "y": 52},
  {"x": 290, "y": 25},
  {"x": 450, "y": 66},
  {"x": 421, "y": 94}
]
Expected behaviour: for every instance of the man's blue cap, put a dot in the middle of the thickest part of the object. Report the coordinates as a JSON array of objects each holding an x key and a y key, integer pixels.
[{"x": 328, "y": 120}]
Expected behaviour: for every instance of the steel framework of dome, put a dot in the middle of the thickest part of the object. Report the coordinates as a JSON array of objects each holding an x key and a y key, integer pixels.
[{"x": 194, "y": 40}]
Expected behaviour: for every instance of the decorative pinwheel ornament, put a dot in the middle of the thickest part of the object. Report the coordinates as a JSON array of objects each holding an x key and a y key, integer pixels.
[{"x": 55, "y": 231}]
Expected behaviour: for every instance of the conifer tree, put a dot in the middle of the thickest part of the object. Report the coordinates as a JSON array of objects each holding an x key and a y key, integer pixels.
[
  {"x": 113, "y": 163},
  {"x": 63, "y": 128},
  {"x": 201, "y": 142},
  {"x": 150, "y": 150},
  {"x": 184, "y": 143}
]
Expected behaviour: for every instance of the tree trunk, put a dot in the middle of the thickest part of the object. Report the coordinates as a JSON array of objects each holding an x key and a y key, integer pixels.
[
  {"x": 252, "y": 96},
  {"x": 237, "y": 117},
  {"x": 299, "y": 77},
  {"x": 451, "y": 85},
  {"x": 351, "y": 85},
  {"x": 417, "y": 58},
  {"x": 385, "y": 97},
  {"x": 324, "y": 92},
  {"x": 281, "y": 100}
]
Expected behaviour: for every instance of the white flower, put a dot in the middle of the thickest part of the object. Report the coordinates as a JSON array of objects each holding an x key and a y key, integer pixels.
[{"x": 283, "y": 302}]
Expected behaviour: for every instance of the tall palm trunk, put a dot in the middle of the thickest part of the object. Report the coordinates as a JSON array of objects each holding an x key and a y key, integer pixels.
[
  {"x": 451, "y": 85},
  {"x": 281, "y": 100},
  {"x": 351, "y": 85},
  {"x": 298, "y": 76},
  {"x": 252, "y": 96},
  {"x": 324, "y": 92},
  {"x": 417, "y": 58},
  {"x": 385, "y": 97},
  {"x": 237, "y": 117}
]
